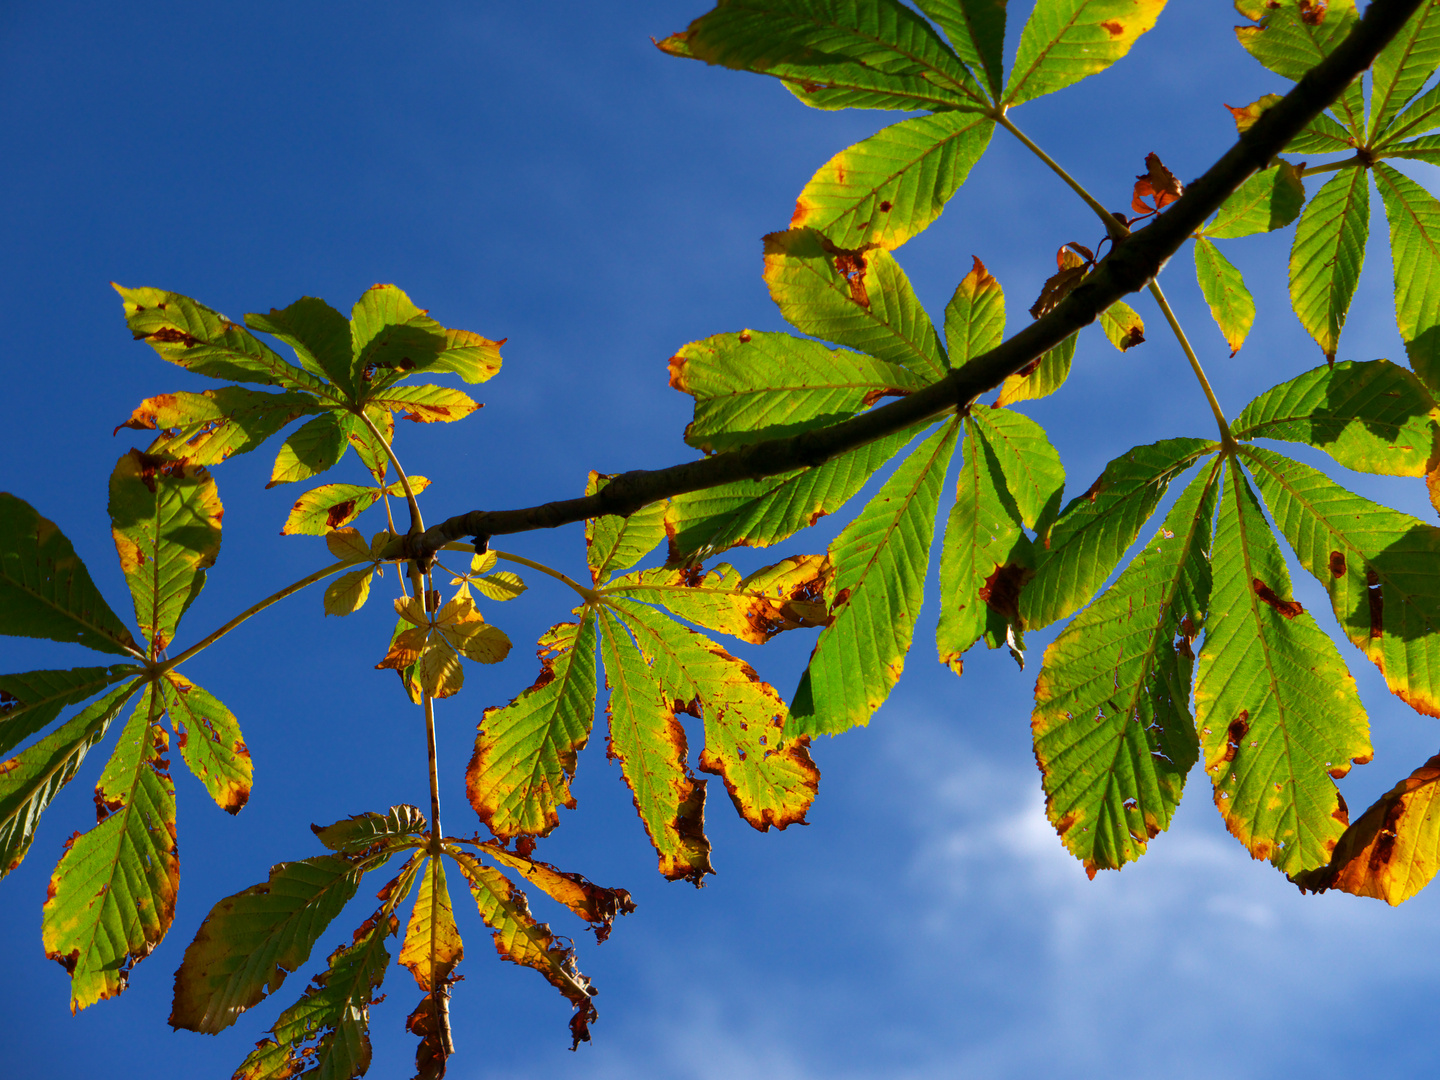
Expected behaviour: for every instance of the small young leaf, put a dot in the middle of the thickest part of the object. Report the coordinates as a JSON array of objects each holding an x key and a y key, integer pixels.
[
  {"x": 210, "y": 741},
  {"x": 1066, "y": 40},
  {"x": 524, "y": 759},
  {"x": 975, "y": 316},
  {"x": 859, "y": 298},
  {"x": 1414, "y": 216},
  {"x": 874, "y": 598},
  {"x": 1371, "y": 416},
  {"x": 1269, "y": 200},
  {"x": 347, "y": 593},
  {"x": 1393, "y": 851},
  {"x": 1042, "y": 379},
  {"x": 1122, "y": 325},
  {"x": 891, "y": 186},
  {"x": 165, "y": 518},
  {"x": 1327, "y": 255},
  {"x": 333, "y": 506},
  {"x": 1277, "y": 709},
  {"x": 1230, "y": 302},
  {"x": 208, "y": 428},
  {"x": 45, "y": 590}
]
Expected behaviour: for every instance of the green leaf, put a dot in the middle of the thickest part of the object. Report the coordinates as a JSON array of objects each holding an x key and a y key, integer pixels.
[
  {"x": 251, "y": 941},
  {"x": 1371, "y": 416},
  {"x": 1377, "y": 564},
  {"x": 1414, "y": 217},
  {"x": 1404, "y": 65},
  {"x": 333, "y": 506},
  {"x": 975, "y": 316},
  {"x": 316, "y": 447},
  {"x": 880, "y": 561},
  {"x": 1421, "y": 117},
  {"x": 891, "y": 186},
  {"x": 771, "y": 781},
  {"x": 1230, "y": 302},
  {"x": 1327, "y": 255},
  {"x": 372, "y": 451},
  {"x": 1066, "y": 40},
  {"x": 1042, "y": 378},
  {"x": 400, "y": 826},
  {"x": 210, "y": 741},
  {"x": 752, "y": 386},
  {"x": 1034, "y": 476},
  {"x": 985, "y": 559},
  {"x": 391, "y": 337},
  {"x": 758, "y": 513},
  {"x": 649, "y": 743},
  {"x": 205, "y": 342},
  {"x": 1426, "y": 148},
  {"x": 1122, "y": 325},
  {"x": 347, "y": 593},
  {"x": 318, "y": 333},
  {"x": 427, "y": 404},
  {"x": 614, "y": 543},
  {"x": 1290, "y": 40},
  {"x": 500, "y": 587},
  {"x": 1113, "y": 733},
  {"x": 595, "y": 904},
  {"x": 1277, "y": 709},
  {"x": 1323, "y": 135},
  {"x": 165, "y": 518},
  {"x": 29, "y": 702},
  {"x": 976, "y": 28},
  {"x": 30, "y": 781},
  {"x": 521, "y": 940},
  {"x": 755, "y": 608},
  {"x": 524, "y": 757},
  {"x": 45, "y": 590},
  {"x": 1269, "y": 200},
  {"x": 1094, "y": 529},
  {"x": 208, "y": 428},
  {"x": 335, "y": 1008},
  {"x": 858, "y": 298},
  {"x": 112, "y": 897},
  {"x": 834, "y": 54}
]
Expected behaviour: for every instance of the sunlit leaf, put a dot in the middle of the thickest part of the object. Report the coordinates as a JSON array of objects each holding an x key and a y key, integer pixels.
[
  {"x": 1095, "y": 528},
  {"x": 615, "y": 543},
  {"x": 30, "y": 781},
  {"x": 521, "y": 940},
  {"x": 205, "y": 342},
  {"x": 975, "y": 316},
  {"x": 1404, "y": 65},
  {"x": 208, "y": 428},
  {"x": 1425, "y": 148},
  {"x": 1393, "y": 850},
  {"x": 595, "y": 904},
  {"x": 874, "y": 598},
  {"x": 112, "y": 896},
  {"x": 318, "y": 333},
  {"x": 45, "y": 590},
  {"x": 366, "y": 833},
  {"x": 1422, "y": 116},
  {"x": 425, "y": 404},
  {"x": 834, "y": 55},
  {"x": 251, "y": 941},
  {"x": 1122, "y": 325},
  {"x": 1065, "y": 40},
  {"x": 432, "y": 940},
  {"x": 1269, "y": 200},
  {"x": 752, "y": 385},
  {"x": 649, "y": 743},
  {"x": 976, "y": 29},
  {"x": 1292, "y": 36},
  {"x": 30, "y": 702},
  {"x": 1377, "y": 564},
  {"x": 391, "y": 337},
  {"x": 1328, "y": 253},
  {"x": 524, "y": 759},
  {"x": 165, "y": 518},
  {"x": 1230, "y": 302},
  {"x": 1034, "y": 476},
  {"x": 314, "y": 448},
  {"x": 1371, "y": 416},
  {"x": 501, "y": 586},
  {"x": 348, "y": 592},
  {"x": 891, "y": 186},
  {"x": 333, "y": 506},
  {"x": 1040, "y": 379},
  {"x": 372, "y": 451},
  {"x": 1113, "y": 733},
  {"x": 755, "y": 608},
  {"x": 859, "y": 298},
  {"x": 1414, "y": 216},
  {"x": 1277, "y": 709},
  {"x": 210, "y": 741}
]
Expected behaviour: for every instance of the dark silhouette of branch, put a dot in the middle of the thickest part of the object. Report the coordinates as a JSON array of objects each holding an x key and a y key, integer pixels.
[{"x": 1129, "y": 267}]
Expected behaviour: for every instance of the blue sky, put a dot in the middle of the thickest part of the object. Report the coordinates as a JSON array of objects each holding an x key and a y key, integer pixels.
[{"x": 542, "y": 173}]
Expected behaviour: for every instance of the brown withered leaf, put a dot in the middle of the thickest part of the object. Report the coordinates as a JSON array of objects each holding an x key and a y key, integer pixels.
[
  {"x": 1158, "y": 184},
  {"x": 1072, "y": 268},
  {"x": 595, "y": 904}
]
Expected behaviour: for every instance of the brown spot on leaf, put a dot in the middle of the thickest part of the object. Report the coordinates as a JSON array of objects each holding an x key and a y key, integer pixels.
[
  {"x": 744, "y": 337},
  {"x": 885, "y": 206},
  {"x": 872, "y": 396},
  {"x": 1095, "y": 488},
  {"x": 840, "y": 598},
  {"x": 339, "y": 513},
  {"x": 1337, "y": 564},
  {"x": 1113, "y": 28},
  {"x": 1376, "y": 598},
  {"x": 851, "y": 266},
  {"x": 1286, "y": 608},
  {"x": 1001, "y": 591},
  {"x": 171, "y": 336},
  {"x": 1312, "y": 12},
  {"x": 1065, "y": 823},
  {"x": 1235, "y": 733},
  {"x": 8, "y": 701}
]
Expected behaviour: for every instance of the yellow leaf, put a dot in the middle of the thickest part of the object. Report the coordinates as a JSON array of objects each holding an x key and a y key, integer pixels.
[{"x": 347, "y": 593}]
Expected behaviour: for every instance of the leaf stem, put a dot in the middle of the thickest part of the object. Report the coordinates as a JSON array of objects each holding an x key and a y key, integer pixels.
[
  {"x": 254, "y": 609},
  {"x": 1333, "y": 166},
  {"x": 428, "y": 702},
  {"x": 1226, "y": 438},
  {"x": 589, "y": 595},
  {"x": 417, "y": 523},
  {"x": 1118, "y": 229}
]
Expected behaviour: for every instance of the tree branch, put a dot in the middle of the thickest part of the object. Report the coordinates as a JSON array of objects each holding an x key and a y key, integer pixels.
[{"x": 1129, "y": 266}]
